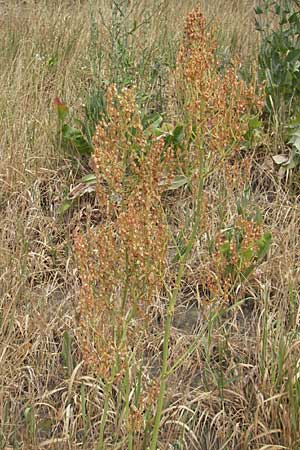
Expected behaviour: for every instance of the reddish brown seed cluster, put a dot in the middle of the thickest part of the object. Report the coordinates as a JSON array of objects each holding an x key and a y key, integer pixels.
[
  {"x": 122, "y": 261},
  {"x": 219, "y": 102}
]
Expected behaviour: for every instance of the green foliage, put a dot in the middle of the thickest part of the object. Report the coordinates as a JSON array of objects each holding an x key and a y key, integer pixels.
[
  {"x": 253, "y": 133},
  {"x": 74, "y": 138},
  {"x": 153, "y": 126},
  {"x": 30, "y": 422},
  {"x": 294, "y": 141},
  {"x": 71, "y": 138},
  {"x": 94, "y": 110},
  {"x": 130, "y": 63},
  {"x": 132, "y": 60},
  {"x": 292, "y": 160},
  {"x": 247, "y": 257},
  {"x": 242, "y": 246},
  {"x": 279, "y": 59},
  {"x": 67, "y": 352}
]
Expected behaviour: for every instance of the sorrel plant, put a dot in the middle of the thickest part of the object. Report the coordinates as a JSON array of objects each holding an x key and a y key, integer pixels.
[{"x": 123, "y": 260}]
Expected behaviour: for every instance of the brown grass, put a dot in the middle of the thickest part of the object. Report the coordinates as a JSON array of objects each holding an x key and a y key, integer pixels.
[{"x": 240, "y": 387}]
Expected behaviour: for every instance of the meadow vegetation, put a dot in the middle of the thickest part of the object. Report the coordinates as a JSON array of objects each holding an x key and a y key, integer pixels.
[{"x": 149, "y": 235}]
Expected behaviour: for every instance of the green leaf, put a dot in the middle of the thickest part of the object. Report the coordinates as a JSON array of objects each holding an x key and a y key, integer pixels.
[
  {"x": 30, "y": 420},
  {"x": 254, "y": 123},
  {"x": 67, "y": 352},
  {"x": 277, "y": 9},
  {"x": 258, "y": 10},
  {"x": 89, "y": 179},
  {"x": 61, "y": 108},
  {"x": 66, "y": 204},
  {"x": 153, "y": 120},
  {"x": 225, "y": 249},
  {"x": 178, "y": 134},
  {"x": 296, "y": 142},
  {"x": 178, "y": 182},
  {"x": 264, "y": 244},
  {"x": 258, "y": 218},
  {"x": 247, "y": 254},
  {"x": 295, "y": 138},
  {"x": 157, "y": 132},
  {"x": 258, "y": 26},
  {"x": 52, "y": 61},
  {"x": 294, "y": 18},
  {"x": 293, "y": 55},
  {"x": 75, "y": 138},
  {"x": 157, "y": 123}
]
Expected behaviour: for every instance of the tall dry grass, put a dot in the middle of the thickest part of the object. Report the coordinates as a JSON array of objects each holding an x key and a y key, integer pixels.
[{"x": 240, "y": 387}]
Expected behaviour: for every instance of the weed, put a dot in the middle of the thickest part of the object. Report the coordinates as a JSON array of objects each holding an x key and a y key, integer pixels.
[
  {"x": 121, "y": 264},
  {"x": 279, "y": 58},
  {"x": 218, "y": 104}
]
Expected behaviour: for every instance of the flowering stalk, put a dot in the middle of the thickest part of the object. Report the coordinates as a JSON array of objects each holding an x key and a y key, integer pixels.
[
  {"x": 121, "y": 263},
  {"x": 173, "y": 298}
]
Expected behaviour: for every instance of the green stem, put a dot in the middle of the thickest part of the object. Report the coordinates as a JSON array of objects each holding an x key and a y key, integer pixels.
[
  {"x": 103, "y": 419},
  {"x": 172, "y": 302},
  {"x": 127, "y": 408},
  {"x": 108, "y": 389}
]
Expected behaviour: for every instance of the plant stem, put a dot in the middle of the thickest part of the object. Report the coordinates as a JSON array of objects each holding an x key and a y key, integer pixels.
[
  {"x": 108, "y": 389},
  {"x": 127, "y": 408},
  {"x": 172, "y": 301},
  {"x": 103, "y": 419}
]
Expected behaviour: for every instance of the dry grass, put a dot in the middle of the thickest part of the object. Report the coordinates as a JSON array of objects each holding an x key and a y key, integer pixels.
[{"x": 240, "y": 387}]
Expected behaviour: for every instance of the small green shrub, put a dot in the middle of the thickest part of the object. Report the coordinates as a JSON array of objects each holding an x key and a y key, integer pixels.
[{"x": 279, "y": 59}]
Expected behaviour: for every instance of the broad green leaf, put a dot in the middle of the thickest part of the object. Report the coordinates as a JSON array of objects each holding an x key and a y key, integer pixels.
[
  {"x": 297, "y": 143},
  {"x": 178, "y": 134},
  {"x": 258, "y": 10},
  {"x": 157, "y": 122},
  {"x": 293, "y": 55},
  {"x": 61, "y": 108},
  {"x": 294, "y": 18},
  {"x": 75, "y": 138},
  {"x": 157, "y": 132}
]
